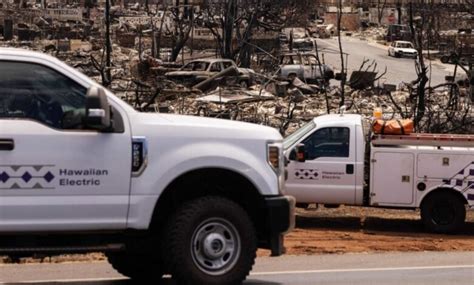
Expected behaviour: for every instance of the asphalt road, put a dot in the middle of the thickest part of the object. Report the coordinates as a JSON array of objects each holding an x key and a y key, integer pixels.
[
  {"x": 398, "y": 69},
  {"x": 423, "y": 268}
]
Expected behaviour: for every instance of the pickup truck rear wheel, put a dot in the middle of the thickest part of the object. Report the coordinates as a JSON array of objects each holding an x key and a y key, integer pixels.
[
  {"x": 443, "y": 213},
  {"x": 210, "y": 240},
  {"x": 136, "y": 266}
]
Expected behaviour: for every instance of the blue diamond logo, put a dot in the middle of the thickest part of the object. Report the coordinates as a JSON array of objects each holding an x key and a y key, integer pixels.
[
  {"x": 48, "y": 177},
  {"x": 26, "y": 177},
  {"x": 4, "y": 177}
]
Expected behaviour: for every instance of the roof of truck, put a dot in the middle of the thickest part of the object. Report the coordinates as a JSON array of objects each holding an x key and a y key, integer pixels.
[
  {"x": 23, "y": 52},
  {"x": 346, "y": 118}
]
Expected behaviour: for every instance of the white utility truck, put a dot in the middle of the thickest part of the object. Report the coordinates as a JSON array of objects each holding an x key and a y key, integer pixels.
[
  {"x": 334, "y": 160},
  {"x": 82, "y": 171}
]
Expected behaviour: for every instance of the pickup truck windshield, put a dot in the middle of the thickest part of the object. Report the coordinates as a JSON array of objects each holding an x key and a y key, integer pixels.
[{"x": 294, "y": 137}]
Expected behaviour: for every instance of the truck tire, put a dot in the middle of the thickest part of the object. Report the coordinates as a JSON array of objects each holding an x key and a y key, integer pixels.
[
  {"x": 210, "y": 240},
  {"x": 443, "y": 212},
  {"x": 136, "y": 266}
]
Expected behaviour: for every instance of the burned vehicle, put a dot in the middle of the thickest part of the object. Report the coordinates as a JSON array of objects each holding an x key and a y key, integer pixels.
[
  {"x": 305, "y": 67},
  {"x": 197, "y": 71}
]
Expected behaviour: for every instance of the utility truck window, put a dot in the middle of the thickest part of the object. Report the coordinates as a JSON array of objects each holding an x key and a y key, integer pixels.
[
  {"x": 327, "y": 142},
  {"x": 38, "y": 93}
]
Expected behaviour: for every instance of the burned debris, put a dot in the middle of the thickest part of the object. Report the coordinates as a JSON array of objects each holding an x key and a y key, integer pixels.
[{"x": 266, "y": 67}]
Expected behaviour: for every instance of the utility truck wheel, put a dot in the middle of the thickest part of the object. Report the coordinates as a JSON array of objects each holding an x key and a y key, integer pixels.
[
  {"x": 210, "y": 240},
  {"x": 443, "y": 213},
  {"x": 136, "y": 266}
]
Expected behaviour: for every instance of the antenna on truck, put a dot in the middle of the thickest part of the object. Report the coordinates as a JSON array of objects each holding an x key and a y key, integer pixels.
[{"x": 342, "y": 109}]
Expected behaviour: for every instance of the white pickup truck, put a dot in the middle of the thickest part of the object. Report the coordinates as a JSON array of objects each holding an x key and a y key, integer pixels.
[
  {"x": 334, "y": 160},
  {"x": 82, "y": 171}
]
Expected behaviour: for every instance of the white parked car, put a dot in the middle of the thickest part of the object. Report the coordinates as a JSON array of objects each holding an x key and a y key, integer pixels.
[{"x": 402, "y": 49}]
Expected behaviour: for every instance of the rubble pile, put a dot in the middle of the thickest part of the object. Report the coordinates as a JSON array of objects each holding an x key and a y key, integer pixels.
[
  {"x": 258, "y": 105},
  {"x": 138, "y": 70},
  {"x": 376, "y": 34}
]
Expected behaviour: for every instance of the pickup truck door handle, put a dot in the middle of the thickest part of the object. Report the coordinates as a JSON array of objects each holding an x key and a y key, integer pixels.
[
  {"x": 6, "y": 144},
  {"x": 349, "y": 168}
]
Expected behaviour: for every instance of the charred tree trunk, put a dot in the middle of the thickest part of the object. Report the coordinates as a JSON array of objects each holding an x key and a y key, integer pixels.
[
  {"x": 245, "y": 50},
  {"x": 422, "y": 69},
  {"x": 108, "y": 46},
  {"x": 380, "y": 9},
  {"x": 228, "y": 31},
  {"x": 160, "y": 33},
  {"x": 343, "y": 69}
]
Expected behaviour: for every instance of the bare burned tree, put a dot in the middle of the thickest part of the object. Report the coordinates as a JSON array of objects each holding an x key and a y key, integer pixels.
[
  {"x": 100, "y": 66},
  {"x": 323, "y": 86},
  {"x": 108, "y": 47},
  {"x": 421, "y": 21},
  {"x": 157, "y": 36},
  {"x": 183, "y": 16},
  {"x": 341, "y": 52},
  {"x": 381, "y": 6},
  {"x": 234, "y": 23}
]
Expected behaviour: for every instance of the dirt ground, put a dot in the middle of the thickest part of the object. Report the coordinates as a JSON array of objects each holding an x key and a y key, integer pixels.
[
  {"x": 355, "y": 229},
  {"x": 346, "y": 230}
]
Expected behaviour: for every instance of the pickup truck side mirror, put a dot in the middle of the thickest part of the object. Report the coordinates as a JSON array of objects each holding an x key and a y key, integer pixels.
[
  {"x": 97, "y": 110},
  {"x": 298, "y": 153}
]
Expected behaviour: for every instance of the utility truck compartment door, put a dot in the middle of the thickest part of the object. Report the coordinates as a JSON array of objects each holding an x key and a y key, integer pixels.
[
  {"x": 441, "y": 166},
  {"x": 392, "y": 178}
]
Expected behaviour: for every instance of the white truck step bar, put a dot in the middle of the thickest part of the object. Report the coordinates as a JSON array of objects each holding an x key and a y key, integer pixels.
[{"x": 424, "y": 140}]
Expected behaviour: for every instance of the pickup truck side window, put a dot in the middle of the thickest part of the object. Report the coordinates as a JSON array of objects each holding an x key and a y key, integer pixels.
[
  {"x": 328, "y": 142},
  {"x": 39, "y": 93}
]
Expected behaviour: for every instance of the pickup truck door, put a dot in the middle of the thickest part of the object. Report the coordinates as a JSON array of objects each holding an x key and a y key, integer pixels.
[
  {"x": 55, "y": 175},
  {"x": 328, "y": 174}
]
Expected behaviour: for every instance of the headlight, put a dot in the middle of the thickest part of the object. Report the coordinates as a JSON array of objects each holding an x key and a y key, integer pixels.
[
  {"x": 274, "y": 157},
  {"x": 276, "y": 160}
]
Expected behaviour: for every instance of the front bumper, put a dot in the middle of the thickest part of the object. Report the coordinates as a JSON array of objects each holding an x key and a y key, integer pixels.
[{"x": 280, "y": 221}]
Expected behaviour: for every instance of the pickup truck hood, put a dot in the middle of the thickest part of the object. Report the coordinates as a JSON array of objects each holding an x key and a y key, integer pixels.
[{"x": 201, "y": 127}]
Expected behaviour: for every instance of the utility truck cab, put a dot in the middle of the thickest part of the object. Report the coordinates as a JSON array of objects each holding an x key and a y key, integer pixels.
[{"x": 334, "y": 159}]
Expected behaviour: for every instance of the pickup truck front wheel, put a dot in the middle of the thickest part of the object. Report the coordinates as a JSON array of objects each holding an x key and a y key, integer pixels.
[
  {"x": 443, "y": 212},
  {"x": 210, "y": 240}
]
